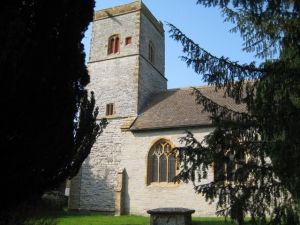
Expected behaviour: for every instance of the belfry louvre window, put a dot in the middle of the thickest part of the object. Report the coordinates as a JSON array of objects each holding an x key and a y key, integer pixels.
[
  {"x": 109, "y": 109},
  {"x": 113, "y": 44},
  {"x": 161, "y": 163},
  {"x": 151, "y": 52}
]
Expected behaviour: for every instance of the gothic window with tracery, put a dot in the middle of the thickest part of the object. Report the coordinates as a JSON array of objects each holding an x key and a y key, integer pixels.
[
  {"x": 161, "y": 162},
  {"x": 113, "y": 44}
]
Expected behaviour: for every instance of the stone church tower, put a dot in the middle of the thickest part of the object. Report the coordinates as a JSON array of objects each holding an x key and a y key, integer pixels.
[{"x": 126, "y": 66}]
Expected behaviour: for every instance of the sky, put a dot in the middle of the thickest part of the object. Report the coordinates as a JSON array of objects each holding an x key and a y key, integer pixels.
[{"x": 204, "y": 26}]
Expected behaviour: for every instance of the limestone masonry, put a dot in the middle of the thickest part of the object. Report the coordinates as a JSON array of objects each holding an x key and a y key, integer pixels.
[{"x": 127, "y": 69}]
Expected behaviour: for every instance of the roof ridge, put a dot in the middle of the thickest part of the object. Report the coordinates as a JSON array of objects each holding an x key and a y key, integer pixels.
[{"x": 190, "y": 87}]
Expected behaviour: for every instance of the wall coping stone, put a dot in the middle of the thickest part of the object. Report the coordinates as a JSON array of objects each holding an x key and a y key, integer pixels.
[{"x": 174, "y": 211}]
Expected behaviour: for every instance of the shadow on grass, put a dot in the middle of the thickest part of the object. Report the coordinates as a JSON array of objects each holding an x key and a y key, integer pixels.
[
  {"x": 215, "y": 221},
  {"x": 203, "y": 222},
  {"x": 67, "y": 213},
  {"x": 211, "y": 221}
]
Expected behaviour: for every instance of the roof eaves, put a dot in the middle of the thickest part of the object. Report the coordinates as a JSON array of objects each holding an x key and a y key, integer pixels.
[{"x": 171, "y": 127}]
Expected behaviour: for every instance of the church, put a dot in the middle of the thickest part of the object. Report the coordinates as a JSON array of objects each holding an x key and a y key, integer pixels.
[{"x": 131, "y": 165}]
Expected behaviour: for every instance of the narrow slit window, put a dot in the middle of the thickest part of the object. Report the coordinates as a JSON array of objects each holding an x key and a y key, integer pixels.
[
  {"x": 109, "y": 109},
  {"x": 151, "y": 52}
]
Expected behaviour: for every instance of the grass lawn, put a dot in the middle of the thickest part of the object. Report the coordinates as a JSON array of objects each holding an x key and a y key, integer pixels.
[{"x": 73, "y": 218}]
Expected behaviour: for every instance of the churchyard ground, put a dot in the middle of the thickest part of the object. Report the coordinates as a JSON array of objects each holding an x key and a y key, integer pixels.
[{"x": 74, "y": 218}]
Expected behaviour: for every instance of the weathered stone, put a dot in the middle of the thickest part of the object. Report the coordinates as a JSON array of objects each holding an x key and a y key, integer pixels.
[
  {"x": 119, "y": 193},
  {"x": 171, "y": 216}
]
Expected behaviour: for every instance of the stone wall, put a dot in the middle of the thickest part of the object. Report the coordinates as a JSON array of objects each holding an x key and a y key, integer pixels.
[
  {"x": 150, "y": 33},
  {"x": 142, "y": 197},
  {"x": 119, "y": 87},
  {"x": 99, "y": 170},
  {"x": 127, "y": 25},
  {"x": 150, "y": 82},
  {"x": 114, "y": 77},
  {"x": 130, "y": 150},
  {"x": 74, "y": 196},
  {"x": 151, "y": 76}
]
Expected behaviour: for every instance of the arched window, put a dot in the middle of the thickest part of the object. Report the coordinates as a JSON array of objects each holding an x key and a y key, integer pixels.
[
  {"x": 113, "y": 44},
  {"x": 161, "y": 162},
  {"x": 151, "y": 52}
]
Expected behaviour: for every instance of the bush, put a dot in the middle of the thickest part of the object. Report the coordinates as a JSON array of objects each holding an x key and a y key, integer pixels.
[{"x": 54, "y": 200}]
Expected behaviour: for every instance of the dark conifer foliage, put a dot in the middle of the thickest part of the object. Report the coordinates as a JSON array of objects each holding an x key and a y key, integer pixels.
[
  {"x": 255, "y": 155},
  {"x": 42, "y": 79}
]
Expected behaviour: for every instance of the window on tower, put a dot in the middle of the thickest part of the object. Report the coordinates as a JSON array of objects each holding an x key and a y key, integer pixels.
[
  {"x": 113, "y": 44},
  {"x": 109, "y": 109},
  {"x": 151, "y": 52},
  {"x": 128, "y": 41}
]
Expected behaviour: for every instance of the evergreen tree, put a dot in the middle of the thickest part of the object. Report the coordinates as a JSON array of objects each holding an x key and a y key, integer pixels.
[
  {"x": 48, "y": 123},
  {"x": 255, "y": 154}
]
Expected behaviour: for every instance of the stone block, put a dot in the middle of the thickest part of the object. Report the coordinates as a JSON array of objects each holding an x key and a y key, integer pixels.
[{"x": 171, "y": 216}]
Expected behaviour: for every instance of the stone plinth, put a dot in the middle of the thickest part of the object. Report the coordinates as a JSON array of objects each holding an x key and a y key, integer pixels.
[{"x": 171, "y": 216}]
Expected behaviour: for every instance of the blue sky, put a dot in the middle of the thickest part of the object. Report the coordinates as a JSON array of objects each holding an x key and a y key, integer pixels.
[{"x": 204, "y": 25}]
